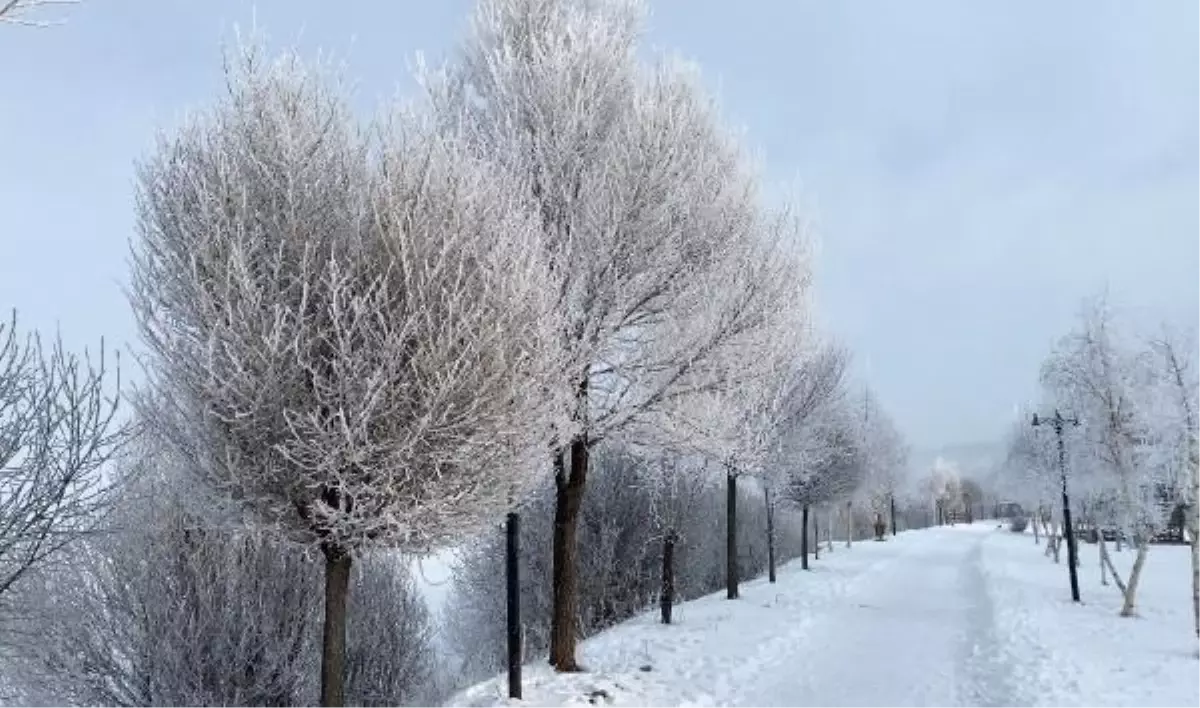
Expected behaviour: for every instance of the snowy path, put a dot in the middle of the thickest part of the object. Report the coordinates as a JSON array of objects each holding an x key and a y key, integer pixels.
[
  {"x": 911, "y": 621},
  {"x": 904, "y": 622},
  {"x": 912, "y": 631}
]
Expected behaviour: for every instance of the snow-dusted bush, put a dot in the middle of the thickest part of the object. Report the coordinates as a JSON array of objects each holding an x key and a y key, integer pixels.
[{"x": 166, "y": 610}]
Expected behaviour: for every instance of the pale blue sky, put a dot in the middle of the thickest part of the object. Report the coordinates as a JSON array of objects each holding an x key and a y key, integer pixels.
[{"x": 975, "y": 168}]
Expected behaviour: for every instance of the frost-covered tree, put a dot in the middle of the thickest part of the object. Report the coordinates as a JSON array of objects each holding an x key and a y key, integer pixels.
[
  {"x": 1100, "y": 377},
  {"x": 58, "y": 429},
  {"x": 738, "y": 426},
  {"x": 352, "y": 327},
  {"x": 1175, "y": 404},
  {"x": 823, "y": 461},
  {"x": 811, "y": 393},
  {"x": 675, "y": 483},
  {"x": 884, "y": 457},
  {"x": 649, "y": 213},
  {"x": 944, "y": 487},
  {"x": 1031, "y": 469}
]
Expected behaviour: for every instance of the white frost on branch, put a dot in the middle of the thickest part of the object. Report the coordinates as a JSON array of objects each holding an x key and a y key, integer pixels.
[
  {"x": 354, "y": 328},
  {"x": 649, "y": 207},
  {"x": 19, "y": 12}
]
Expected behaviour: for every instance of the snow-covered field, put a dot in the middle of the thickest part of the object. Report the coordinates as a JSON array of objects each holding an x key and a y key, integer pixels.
[{"x": 970, "y": 615}]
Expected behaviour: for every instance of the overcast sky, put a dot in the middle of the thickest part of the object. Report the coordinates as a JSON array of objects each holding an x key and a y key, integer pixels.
[{"x": 974, "y": 168}]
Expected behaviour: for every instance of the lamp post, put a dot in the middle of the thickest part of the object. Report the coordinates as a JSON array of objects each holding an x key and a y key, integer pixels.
[{"x": 1068, "y": 531}]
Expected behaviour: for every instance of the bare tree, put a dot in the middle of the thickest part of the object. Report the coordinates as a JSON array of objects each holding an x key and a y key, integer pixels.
[
  {"x": 650, "y": 215},
  {"x": 355, "y": 335},
  {"x": 58, "y": 428}
]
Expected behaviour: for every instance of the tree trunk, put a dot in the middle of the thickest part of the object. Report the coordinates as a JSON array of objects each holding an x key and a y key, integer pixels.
[
  {"x": 1129, "y": 607},
  {"x": 770, "y": 536},
  {"x": 804, "y": 537},
  {"x": 666, "y": 600},
  {"x": 512, "y": 572},
  {"x": 1053, "y": 541},
  {"x": 816, "y": 526},
  {"x": 829, "y": 537},
  {"x": 731, "y": 559},
  {"x": 333, "y": 645},
  {"x": 569, "y": 487},
  {"x": 1036, "y": 520},
  {"x": 892, "y": 505},
  {"x": 1102, "y": 549},
  {"x": 849, "y": 523}
]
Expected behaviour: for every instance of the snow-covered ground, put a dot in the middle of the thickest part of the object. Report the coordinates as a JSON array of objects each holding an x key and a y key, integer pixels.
[
  {"x": 1084, "y": 654},
  {"x": 970, "y": 615}
]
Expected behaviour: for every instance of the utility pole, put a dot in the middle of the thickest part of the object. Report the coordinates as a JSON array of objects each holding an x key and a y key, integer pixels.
[{"x": 1057, "y": 422}]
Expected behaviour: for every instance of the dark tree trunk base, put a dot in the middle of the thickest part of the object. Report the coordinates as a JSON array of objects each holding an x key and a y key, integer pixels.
[
  {"x": 667, "y": 598},
  {"x": 568, "y": 501},
  {"x": 333, "y": 649}
]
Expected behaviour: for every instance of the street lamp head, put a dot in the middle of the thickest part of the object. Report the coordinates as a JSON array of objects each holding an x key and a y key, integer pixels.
[{"x": 1035, "y": 420}]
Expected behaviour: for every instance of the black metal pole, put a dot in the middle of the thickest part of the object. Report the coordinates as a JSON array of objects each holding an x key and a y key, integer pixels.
[
  {"x": 804, "y": 537},
  {"x": 512, "y": 572},
  {"x": 1068, "y": 529},
  {"x": 892, "y": 503},
  {"x": 731, "y": 560}
]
